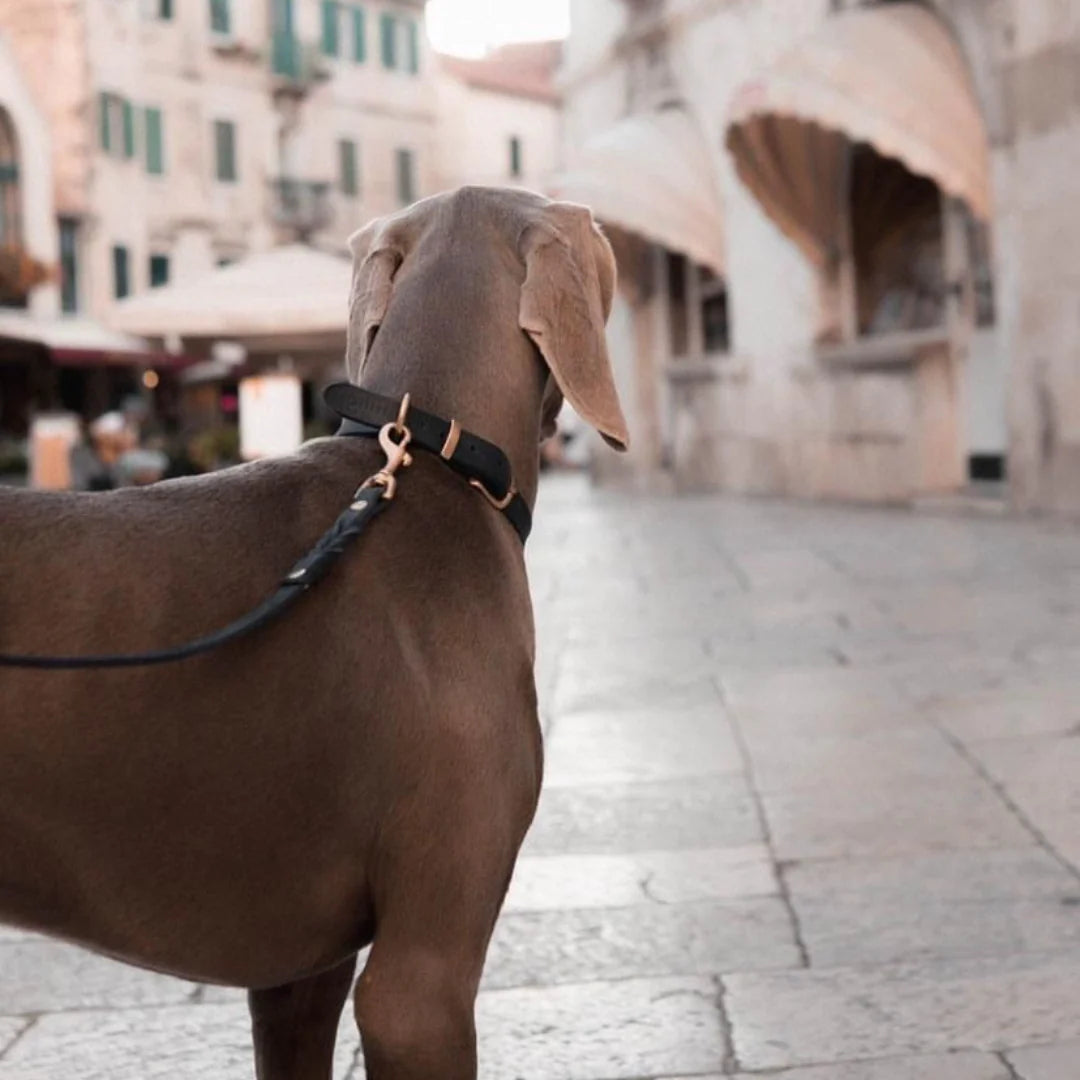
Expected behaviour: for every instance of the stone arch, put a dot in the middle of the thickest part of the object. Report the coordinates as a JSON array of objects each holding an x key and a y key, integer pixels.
[{"x": 27, "y": 201}]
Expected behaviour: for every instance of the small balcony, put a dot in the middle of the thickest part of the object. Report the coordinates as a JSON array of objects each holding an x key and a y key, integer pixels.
[
  {"x": 302, "y": 206},
  {"x": 296, "y": 65}
]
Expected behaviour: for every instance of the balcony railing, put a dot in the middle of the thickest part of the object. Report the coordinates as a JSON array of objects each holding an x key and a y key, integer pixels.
[
  {"x": 295, "y": 64},
  {"x": 303, "y": 206}
]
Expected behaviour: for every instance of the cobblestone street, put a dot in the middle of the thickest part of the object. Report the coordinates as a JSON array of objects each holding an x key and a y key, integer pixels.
[{"x": 812, "y": 804}]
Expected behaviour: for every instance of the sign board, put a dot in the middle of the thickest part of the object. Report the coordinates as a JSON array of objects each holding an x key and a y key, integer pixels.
[
  {"x": 51, "y": 439},
  {"x": 271, "y": 416}
]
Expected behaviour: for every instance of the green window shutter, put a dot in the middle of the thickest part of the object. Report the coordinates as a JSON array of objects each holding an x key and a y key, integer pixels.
[
  {"x": 350, "y": 184},
  {"x": 359, "y": 34},
  {"x": 69, "y": 265},
  {"x": 225, "y": 151},
  {"x": 414, "y": 46},
  {"x": 165, "y": 9},
  {"x": 220, "y": 17},
  {"x": 104, "y": 124},
  {"x": 388, "y": 34},
  {"x": 283, "y": 17},
  {"x": 515, "y": 156},
  {"x": 155, "y": 143},
  {"x": 406, "y": 177},
  {"x": 330, "y": 22},
  {"x": 121, "y": 279},
  {"x": 159, "y": 270},
  {"x": 129, "y": 128}
]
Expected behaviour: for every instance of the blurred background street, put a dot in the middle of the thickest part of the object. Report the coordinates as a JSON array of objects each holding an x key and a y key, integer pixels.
[{"x": 811, "y": 799}]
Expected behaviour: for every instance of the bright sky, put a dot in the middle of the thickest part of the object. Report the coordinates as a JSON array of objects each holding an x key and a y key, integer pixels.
[{"x": 471, "y": 27}]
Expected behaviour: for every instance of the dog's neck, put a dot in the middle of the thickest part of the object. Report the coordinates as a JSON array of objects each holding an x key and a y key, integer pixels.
[
  {"x": 481, "y": 371},
  {"x": 515, "y": 430}
]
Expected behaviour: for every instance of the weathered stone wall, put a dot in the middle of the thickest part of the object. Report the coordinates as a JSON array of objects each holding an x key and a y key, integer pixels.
[
  {"x": 1041, "y": 244},
  {"x": 48, "y": 41},
  {"x": 778, "y": 420},
  {"x": 475, "y": 127}
]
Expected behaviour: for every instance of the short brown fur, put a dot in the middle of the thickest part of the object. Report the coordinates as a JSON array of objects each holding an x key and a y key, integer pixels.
[{"x": 362, "y": 771}]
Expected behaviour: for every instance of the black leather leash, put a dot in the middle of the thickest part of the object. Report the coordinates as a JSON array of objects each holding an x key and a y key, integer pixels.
[{"x": 365, "y": 414}]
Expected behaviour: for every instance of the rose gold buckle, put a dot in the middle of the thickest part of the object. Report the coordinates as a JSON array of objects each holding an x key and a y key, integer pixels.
[
  {"x": 499, "y": 504},
  {"x": 453, "y": 437}
]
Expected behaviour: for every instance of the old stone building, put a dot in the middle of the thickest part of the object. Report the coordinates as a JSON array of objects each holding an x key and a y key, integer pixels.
[
  {"x": 186, "y": 135},
  {"x": 196, "y": 171},
  {"x": 848, "y": 239},
  {"x": 499, "y": 117}
]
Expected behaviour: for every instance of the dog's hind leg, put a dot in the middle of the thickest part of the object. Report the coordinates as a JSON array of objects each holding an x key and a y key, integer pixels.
[{"x": 295, "y": 1026}]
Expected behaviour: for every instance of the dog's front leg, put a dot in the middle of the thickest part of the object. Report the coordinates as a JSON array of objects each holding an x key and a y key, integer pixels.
[
  {"x": 295, "y": 1026},
  {"x": 414, "y": 1008}
]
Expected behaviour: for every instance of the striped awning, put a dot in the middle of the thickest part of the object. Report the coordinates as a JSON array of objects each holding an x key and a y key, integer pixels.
[
  {"x": 652, "y": 174},
  {"x": 892, "y": 77}
]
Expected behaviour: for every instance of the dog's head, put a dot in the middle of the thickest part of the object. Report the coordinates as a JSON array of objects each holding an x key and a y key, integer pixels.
[{"x": 565, "y": 284}]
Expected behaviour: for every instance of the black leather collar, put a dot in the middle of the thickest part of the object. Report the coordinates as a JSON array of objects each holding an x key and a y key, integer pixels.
[{"x": 482, "y": 463}]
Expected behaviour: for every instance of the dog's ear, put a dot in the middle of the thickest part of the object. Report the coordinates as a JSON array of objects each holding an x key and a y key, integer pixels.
[
  {"x": 565, "y": 302},
  {"x": 375, "y": 262}
]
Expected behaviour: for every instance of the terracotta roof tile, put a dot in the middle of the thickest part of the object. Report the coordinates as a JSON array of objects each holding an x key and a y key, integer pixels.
[{"x": 524, "y": 69}]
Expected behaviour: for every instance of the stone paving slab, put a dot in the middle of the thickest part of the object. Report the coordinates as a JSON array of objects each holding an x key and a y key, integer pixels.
[
  {"x": 191, "y": 1042},
  {"x": 1060, "y": 1062},
  {"x": 11, "y": 1028},
  {"x": 627, "y": 747},
  {"x": 696, "y": 812},
  {"x": 1039, "y": 772},
  {"x": 898, "y": 818},
  {"x": 784, "y": 1019},
  {"x": 582, "y": 693},
  {"x": 908, "y": 755},
  {"x": 551, "y": 947},
  {"x": 554, "y": 882},
  {"x": 601, "y": 1031},
  {"x": 677, "y": 656},
  {"x": 40, "y": 975},
  {"x": 1010, "y": 713},
  {"x": 937, "y": 906},
  {"x": 958, "y": 1066}
]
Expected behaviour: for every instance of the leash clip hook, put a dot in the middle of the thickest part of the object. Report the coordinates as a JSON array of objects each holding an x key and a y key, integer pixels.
[{"x": 394, "y": 440}]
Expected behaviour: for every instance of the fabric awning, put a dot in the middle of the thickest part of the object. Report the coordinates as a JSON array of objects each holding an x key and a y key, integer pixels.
[
  {"x": 891, "y": 77},
  {"x": 652, "y": 174},
  {"x": 76, "y": 340},
  {"x": 291, "y": 293}
]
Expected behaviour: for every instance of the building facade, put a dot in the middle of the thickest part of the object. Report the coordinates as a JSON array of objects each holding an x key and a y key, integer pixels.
[
  {"x": 187, "y": 135},
  {"x": 847, "y": 239},
  {"x": 499, "y": 117}
]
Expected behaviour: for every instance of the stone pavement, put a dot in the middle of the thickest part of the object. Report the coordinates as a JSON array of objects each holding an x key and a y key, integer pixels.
[{"x": 812, "y": 810}]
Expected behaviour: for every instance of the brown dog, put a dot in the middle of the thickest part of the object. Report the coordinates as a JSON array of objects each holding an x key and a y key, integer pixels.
[{"x": 362, "y": 771}]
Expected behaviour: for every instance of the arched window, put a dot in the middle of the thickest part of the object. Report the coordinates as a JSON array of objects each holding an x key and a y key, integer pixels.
[{"x": 10, "y": 209}]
